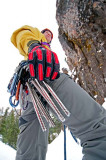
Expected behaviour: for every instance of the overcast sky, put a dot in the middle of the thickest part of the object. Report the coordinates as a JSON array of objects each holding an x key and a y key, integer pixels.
[{"x": 13, "y": 15}]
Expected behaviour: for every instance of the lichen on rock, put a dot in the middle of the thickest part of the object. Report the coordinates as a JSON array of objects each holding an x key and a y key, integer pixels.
[{"x": 82, "y": 34}]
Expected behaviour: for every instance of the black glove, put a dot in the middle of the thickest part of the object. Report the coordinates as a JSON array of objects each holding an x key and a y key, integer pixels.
[
  {"x": 43, "y": 64},
  {"x": 24, "y": 76},
  {"x": 32, "y": 44}
]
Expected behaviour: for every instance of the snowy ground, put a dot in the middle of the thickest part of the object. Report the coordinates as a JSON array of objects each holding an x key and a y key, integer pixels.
[
  {"x": 55, "y": 149},
  {"x": 6, "y": 152}
]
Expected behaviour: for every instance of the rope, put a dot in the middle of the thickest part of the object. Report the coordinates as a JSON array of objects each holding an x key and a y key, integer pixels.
[{"x": 65, "y": 142}]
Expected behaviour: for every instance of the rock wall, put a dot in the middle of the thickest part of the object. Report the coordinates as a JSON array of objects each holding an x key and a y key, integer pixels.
[{"x": 82, "y": 34}]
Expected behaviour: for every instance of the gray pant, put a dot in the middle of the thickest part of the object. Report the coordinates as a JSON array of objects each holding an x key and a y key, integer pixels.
[{"x": 87, "y": 122}]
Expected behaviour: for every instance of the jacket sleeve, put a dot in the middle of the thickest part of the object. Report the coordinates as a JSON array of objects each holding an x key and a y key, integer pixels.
[{"x": 22, "y": 36}]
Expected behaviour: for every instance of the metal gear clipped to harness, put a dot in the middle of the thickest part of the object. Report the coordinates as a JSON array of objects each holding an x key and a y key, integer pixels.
[
  {"x": 14, "y": 84},
  {"x": 22, "y": 76}
]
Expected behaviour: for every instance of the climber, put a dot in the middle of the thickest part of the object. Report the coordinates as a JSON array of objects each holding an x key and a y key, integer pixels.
[{"x": 87, "y": 120}]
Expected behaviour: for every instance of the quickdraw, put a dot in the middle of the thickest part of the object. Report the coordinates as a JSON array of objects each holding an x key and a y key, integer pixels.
[{"x": 14, "y": 85}]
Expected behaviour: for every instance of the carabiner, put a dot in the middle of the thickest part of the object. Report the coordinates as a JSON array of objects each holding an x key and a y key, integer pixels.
[{"x": 13, "y": 104}]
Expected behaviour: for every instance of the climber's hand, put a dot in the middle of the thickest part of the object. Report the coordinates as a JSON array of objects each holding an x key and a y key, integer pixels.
[{"x": 43, "y": 64}]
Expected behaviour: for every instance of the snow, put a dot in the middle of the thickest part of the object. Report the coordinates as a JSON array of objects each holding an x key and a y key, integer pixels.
[
  {"x": 6, "y": 152},
  {"x": 55, "y": 149},
  {"x": 104, "y": 104}
]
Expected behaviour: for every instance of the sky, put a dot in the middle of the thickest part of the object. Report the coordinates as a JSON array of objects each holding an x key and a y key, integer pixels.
[
  {"x": 13, "y": 15},
  {"x": 55, "y": 149}
]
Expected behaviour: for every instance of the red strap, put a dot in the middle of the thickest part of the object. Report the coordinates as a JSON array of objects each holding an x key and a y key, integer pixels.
[
  {"x": 54, "y": 75},
  {"x": 35, "y": 48},
  {"x": 56, "y": 58},
  {"x": 48, "y": 56},
  {"x": 40, "y": 72},
  {"x": 31, "y": 68},
  {"x": 30, "y": 56},
  {"x": 39, "y": 54},
  {"x": 48, "y": 72}
]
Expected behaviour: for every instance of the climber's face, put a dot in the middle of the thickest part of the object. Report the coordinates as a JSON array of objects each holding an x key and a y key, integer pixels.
[{"x": 48, "y": 36}]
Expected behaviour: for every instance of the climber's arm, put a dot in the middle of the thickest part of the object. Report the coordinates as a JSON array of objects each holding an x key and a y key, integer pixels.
[{"x": 24, "y": 37}]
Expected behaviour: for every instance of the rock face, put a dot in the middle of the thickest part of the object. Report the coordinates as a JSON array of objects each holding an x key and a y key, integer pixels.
[{"x": 82, "y": 34}]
